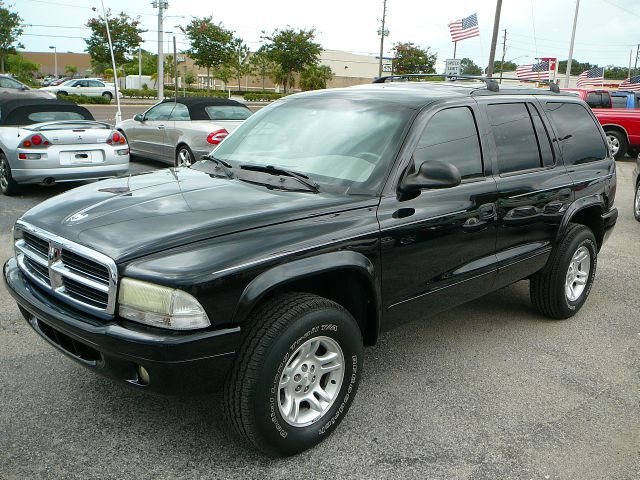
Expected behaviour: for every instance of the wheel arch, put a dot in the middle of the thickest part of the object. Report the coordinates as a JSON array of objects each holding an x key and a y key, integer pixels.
[
  {"x": 588, "y": 212},
  {"x": 612, "y": 126},
  {"x": 347, "y": 277}
]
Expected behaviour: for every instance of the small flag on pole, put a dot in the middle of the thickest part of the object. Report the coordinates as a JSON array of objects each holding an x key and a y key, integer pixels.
[
  {"x": 465, "y": 28},
  {"x": 632, "y": 84},
  {"x": 536, "y": 71},
  {"x": 593, "y": 76}
]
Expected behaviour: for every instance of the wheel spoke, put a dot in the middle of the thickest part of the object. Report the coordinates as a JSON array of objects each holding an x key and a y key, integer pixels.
[
  {"x": 330, "y": 367},
  {"x": 324, "y": 396},
  {"x": 314, "y": 403}
]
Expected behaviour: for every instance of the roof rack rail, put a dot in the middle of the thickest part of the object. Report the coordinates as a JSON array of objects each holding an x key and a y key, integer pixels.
[{"x": 490, "y": 83}]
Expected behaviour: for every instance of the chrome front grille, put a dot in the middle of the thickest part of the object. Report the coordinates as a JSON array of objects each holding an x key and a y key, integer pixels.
[{"x": 72, "y": 273}]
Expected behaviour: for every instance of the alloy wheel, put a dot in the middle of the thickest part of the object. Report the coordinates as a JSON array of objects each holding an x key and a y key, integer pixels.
[
  {"x": 578, "y": 274},
  {"x": 637, "y": 202},
  {"x": 4, "y": 180},
  {"x": 614, "y": 144},
  {"x": 311, "y": 381},
  {"x": 184, "y": 158}
]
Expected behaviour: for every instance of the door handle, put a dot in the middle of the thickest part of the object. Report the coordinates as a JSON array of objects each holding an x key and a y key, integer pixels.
[
  {"x": 474, "y": 224},
  {"x": 487, "y": 211},
  {"x": 160, "y": 127}
]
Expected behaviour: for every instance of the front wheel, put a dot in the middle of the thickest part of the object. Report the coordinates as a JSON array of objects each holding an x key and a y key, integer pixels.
[
  {"x": 297, "y": 373},
  {"x": 108, "y": 96},
  {"x": 560, "y": 289},
  {"x": 184, "y": 157}
]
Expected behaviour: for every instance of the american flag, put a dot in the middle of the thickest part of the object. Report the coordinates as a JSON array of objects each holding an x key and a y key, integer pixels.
[
  {"x": 465, "y": 28},
  {"x": 593, "y": 76},
  {"x": 632, "y": 84},
  {"x": 536, "y": 71}
]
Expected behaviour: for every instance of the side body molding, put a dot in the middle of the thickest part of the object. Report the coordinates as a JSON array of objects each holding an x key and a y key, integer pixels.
[{"x": 307, "y": 267}]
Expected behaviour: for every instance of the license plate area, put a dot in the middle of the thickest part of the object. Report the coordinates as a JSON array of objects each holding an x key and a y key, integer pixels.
[{"x": 81, "y": 157}]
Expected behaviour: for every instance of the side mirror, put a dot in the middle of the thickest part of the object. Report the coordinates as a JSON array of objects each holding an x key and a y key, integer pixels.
[
  {"x": 431, "y": 175},
  {"x": 138, "y": 117}
]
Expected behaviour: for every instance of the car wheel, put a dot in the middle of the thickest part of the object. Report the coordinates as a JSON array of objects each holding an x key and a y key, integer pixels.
[
  {"x": 107, "y": 95},
  {"x": 62, "y": 93},
  {"x": 296, "y": 374},
  {"x": 184, "y": 156},
  {"x": 636, "y": 203},
  {"x": 618, "y": 144},
  {"x": 560, "y": 289},
  {"x": 8, "y": 185}
]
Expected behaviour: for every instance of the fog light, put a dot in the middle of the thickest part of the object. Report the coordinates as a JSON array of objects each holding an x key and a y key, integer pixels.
[{"x": 143, "y": 375}]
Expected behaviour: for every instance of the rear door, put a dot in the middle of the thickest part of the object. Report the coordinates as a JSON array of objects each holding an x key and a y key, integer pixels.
[
  {"x": 438, "y": 247},
  {"x": 534, "y": 188},
  {"x": 96, "y": 88}
]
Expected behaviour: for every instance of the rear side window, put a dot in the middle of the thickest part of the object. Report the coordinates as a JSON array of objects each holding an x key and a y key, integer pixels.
[
  {"x": 598, "y": 100},
  {"x": 619, "y": 102},
  {"x": 516, "y": 142},
  {"x": 451, "y": 136},
  {"x": 227, "y": 112},
  {"x": 578, "y": 134}
]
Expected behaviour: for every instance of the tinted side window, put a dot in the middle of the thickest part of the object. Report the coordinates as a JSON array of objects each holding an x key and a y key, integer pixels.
[
  {"x": 579, "y": 136},
  {"x": 451, "y": 136},
  {"x": 516, "y": 142},
  {"x": 594, "y": 100},
  {"x": 180, "y": 112},
  {"x": 606, "y": 100},
  {"x": 619, "y": 101},
  {"x": 544, "y": 142}
]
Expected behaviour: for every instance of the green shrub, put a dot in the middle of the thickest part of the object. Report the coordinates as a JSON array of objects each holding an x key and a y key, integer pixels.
[
  {"x": 139, "y": 93},
  {"x": 84, "y": 99},
  {"x": 262, "y": 97}
]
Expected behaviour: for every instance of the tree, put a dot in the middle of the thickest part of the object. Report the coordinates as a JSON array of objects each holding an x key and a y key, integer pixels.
[
  {"x": 108, "y": 73},
  {"x": 410, "y": 58},
  {"x": 189, "y": 78},
  {"x": 262, "y": 64},
  {"x": 149, "y": 63},
  {"x": 508, "y": 66},
  {"x": 125, "y": 37},
  {"x": 10, "y": 31},
  {"x": 315, "y": 77},
  {"x": 292, "y": 50},
  {"x": 468, "y": 67},
  {"x": 70, "y": 70},
  {"x": 22, "y": 68},
  {"x": 576, "y": 67},
  {"x": 210, "y": 44},
  {"x": 238, "y": 63}
]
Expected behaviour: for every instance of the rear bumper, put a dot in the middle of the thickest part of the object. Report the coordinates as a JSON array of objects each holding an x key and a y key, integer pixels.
[
  {"x": 67, "y": 174},
  {"x": 609, "y": 220},
  {"x": 177, "y": 363}
]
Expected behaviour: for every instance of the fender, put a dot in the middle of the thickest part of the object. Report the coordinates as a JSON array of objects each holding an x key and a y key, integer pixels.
[
  {"x": 616, "y": 126},
  {"x": 306, "y": 267},
  {"x": 577, "y": 206}
]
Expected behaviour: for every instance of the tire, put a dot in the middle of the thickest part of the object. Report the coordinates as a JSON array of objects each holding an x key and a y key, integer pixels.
[
  {"x": 618, "y": 143},
  {"x": 184, "y": 157},
  {"x": 278, "y": 333},
  {"x": 8, "y": 185},
  {"x": 636, "y": 203},
  {"x": 108, "y": 96},
  {"x": 62, "y": 94},
  {"x": 548, "y": 288}
]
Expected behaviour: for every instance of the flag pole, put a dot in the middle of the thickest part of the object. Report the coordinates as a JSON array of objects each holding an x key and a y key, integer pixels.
[{"x": 455, "y": 47}]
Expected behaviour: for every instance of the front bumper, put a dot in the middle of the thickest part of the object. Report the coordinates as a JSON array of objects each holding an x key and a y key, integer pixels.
[{"x": 177, "y": 363}]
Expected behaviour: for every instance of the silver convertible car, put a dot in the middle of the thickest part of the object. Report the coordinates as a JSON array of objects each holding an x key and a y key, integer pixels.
[
  {"x": 179, "y": 131},
  {"x": 45, "y": 141}
]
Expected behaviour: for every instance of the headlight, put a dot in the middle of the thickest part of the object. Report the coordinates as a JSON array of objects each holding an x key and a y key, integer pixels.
[{"x": 160, "y": 306}]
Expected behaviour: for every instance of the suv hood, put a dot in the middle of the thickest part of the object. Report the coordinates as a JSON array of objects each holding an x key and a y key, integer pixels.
[{"x": 131, "y": 216}]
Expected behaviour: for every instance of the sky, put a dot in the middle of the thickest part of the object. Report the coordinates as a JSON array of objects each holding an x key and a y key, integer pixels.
[{"x": 607, "y": 29}]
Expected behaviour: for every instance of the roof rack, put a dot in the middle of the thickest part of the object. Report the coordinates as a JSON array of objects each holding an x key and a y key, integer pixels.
[{"x": 490, "y": 82}]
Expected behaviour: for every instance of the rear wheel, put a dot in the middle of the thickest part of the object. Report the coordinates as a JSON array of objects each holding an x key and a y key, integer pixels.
[
  {"x": 8, "y": 185},
  {"x": 62, "y": 93},
  {"x": 636, "y": 203},
  {"x": 296, "y": 375},
  {"x": 560, "y": 289},
  {"x": 184, "y": 156},
  {"x": 618, "y": 144},
  {"x": 107, "y": 95}
]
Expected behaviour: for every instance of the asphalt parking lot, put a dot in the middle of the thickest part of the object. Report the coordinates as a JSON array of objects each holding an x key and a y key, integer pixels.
[{"x": 489, "y": 390}]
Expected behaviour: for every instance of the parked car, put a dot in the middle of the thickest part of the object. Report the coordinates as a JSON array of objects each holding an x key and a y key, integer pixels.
[
  {"x": 58, "y": 81},
  {"x": 595, "y": 98},
  {"x": 83, "y": 86},
  {"x": 621, "y": 99},
  {"x": 622, "y": 126},
  {"x": 636, "y": 180},
  {"x": 9, "y": 86},
  {"x": 45, "y": 141},
  {"x": 179, "y": 131},
  {"x": 324, "y": 220}
]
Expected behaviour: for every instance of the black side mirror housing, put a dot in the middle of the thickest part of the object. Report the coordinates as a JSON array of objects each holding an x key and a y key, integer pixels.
[
  {"x": 138, "y": 117},
  {"x": 431, "y": 175}
]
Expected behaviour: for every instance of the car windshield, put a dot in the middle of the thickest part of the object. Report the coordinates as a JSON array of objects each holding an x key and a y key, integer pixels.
[
  {"x": 227, "y": 112},
  {"x": 68, "y": 82},
  {"x": 346, "y": 143}
]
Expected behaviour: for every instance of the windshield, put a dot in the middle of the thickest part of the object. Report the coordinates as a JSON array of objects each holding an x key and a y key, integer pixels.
[{"x": 345, "y": 143}]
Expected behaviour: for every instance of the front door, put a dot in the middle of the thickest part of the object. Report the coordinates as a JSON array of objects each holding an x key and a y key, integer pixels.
[
  {"x": 438, "y": 248},
  {"x": 150, "y": 140}
]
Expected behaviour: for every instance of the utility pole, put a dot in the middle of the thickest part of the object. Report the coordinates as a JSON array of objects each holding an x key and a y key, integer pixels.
[
  {"x": 504, "y": 51},
  {"x": 383, "y": 33},
  {"x": 494, "y": 38},
  {"x": 175, "y": 66},
  {"x": 55, "y": 61},
  {"x": 139, "y": 66},
  {"x": 635, "y": 65},
  {"x": 573, "y": 37},
  {"x": 161, "y": 5},
  {"x": 630, "y": 57}
]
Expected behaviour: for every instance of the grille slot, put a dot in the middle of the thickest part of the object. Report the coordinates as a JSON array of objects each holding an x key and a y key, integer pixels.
[
  {"x": 84, "y": 266},
  {"x": 85, "y": 294},
  {"x": 69, "y": 345},
  {"x": 41, "y": 271},
  {"x": 38, "y": 244}
]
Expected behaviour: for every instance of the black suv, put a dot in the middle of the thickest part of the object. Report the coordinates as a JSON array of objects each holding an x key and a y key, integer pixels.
[{"x": 324, "y": 220}]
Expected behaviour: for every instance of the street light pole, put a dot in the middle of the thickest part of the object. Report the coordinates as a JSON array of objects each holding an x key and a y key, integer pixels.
[
  {"x": 55, "y": 61},
  {"x": 113, "y": 63},
  {"x": 573, "y": 37},
  {"x": 161, "y": 5},
  {"x": 382, "y": 35}
]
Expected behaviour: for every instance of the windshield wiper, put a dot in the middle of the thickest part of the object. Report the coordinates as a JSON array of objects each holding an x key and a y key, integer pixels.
[
  {"x": 281, "y": 171},
  {"x": 220, "y": 164}
]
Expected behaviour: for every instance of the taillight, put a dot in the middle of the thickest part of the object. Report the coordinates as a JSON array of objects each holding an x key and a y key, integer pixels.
[
  {"x": 216, "y": 137},
  {"x": 35, "y": 141},
  {"x": 116, "y": 138}
]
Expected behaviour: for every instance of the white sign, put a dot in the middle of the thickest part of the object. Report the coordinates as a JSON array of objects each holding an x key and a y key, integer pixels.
[
  {"x": 452, "y": 66},
  {"x": 386, "y": 67}
]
